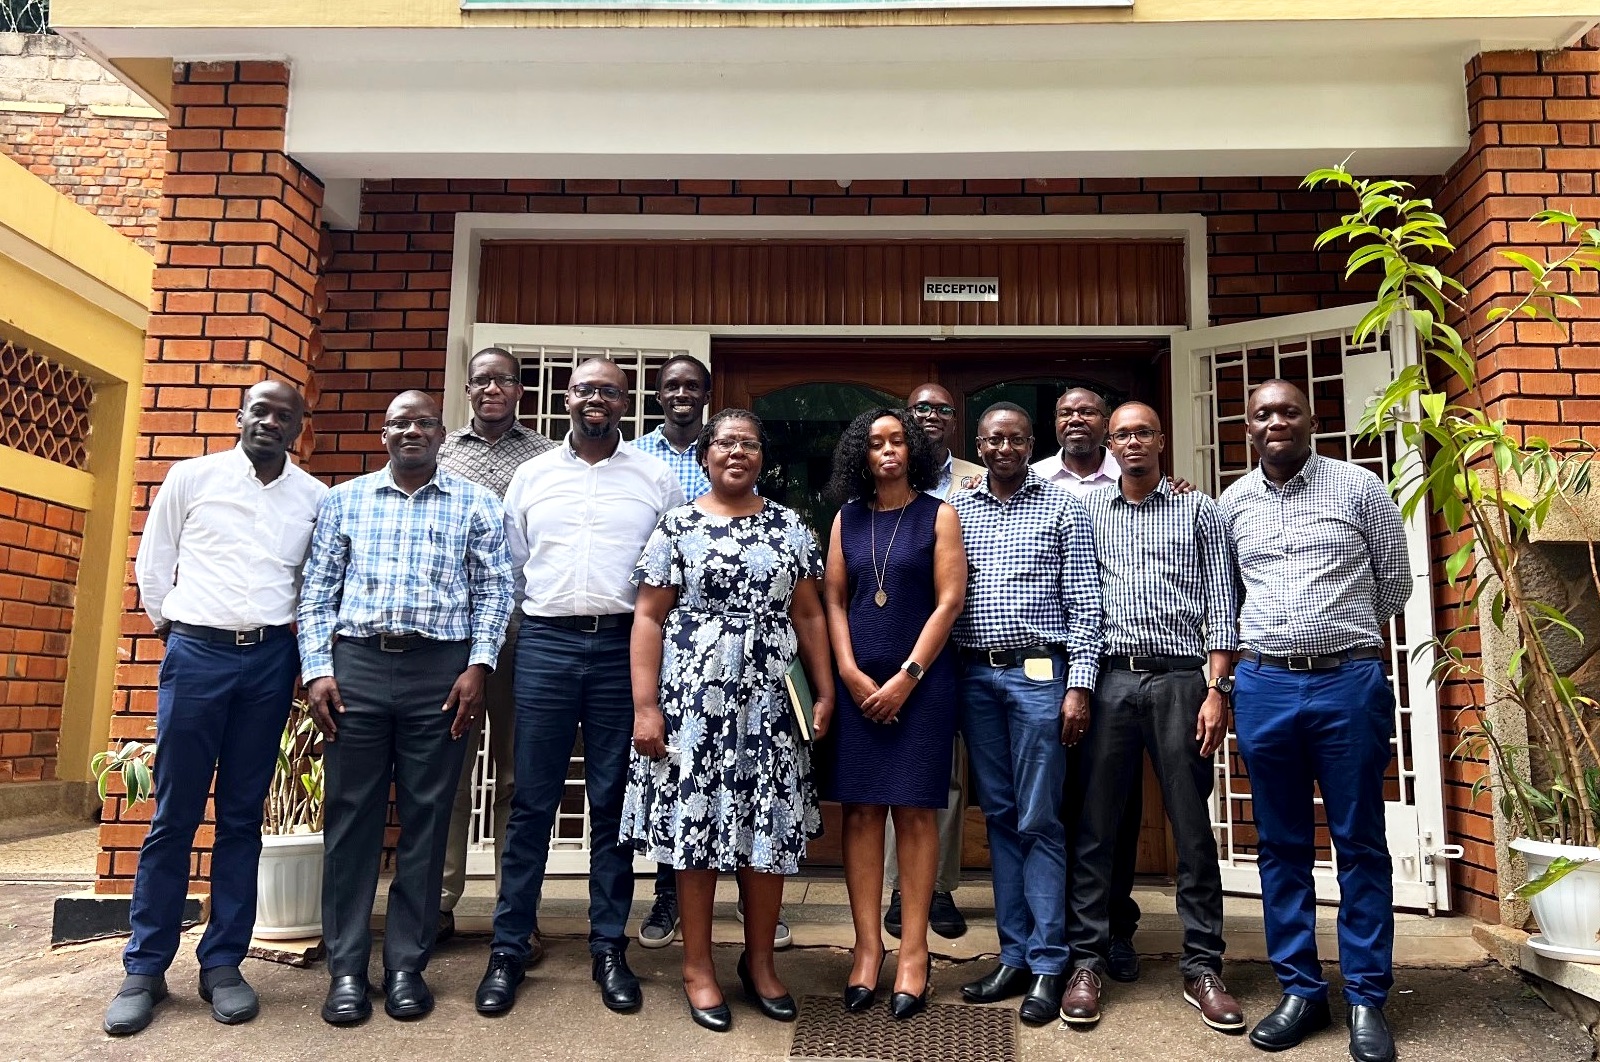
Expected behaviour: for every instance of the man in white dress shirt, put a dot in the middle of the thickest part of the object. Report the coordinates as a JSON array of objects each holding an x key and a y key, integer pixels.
[
  {"x": 577, "y": 518},
  {"x": 219, "y": 570}
]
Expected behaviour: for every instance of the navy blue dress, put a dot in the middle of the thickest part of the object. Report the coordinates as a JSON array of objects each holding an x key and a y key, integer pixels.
[{"x": 905, "y": 764}]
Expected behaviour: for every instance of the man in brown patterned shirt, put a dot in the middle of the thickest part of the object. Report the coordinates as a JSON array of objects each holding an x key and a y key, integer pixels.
[{"x": 487, "y": 451}]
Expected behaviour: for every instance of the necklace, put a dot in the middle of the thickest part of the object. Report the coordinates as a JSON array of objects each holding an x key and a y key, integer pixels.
[{"x": 881, "y": 598}]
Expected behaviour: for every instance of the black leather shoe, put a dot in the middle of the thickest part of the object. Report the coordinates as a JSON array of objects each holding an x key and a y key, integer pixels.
[
  {"x": 891, "y": 917},
  {"x": 718, "y": 1018},
  {"x": 619, "y": 988},
  {"x": 945, "y": 918},
  {"x": 232, "y": 1000},
  {"x": 497, "y": 992},
  {"x": 1043, "y": 1001},
  {"x": 347, "y": 1002},
  {"x": 778, "y": 1008},
  {"x": 134, "y": 1004},
  {"x": 1295, "y": 1019},
  {"x": 1122, "y": 963},
  {"x": 1004, "y": 982},
  {"x": 406, "y": 995},
  {"x": 903, "y": 1005},
  {"x": 447, "y": 927},
  {"x": 1369, "y": 1035}
]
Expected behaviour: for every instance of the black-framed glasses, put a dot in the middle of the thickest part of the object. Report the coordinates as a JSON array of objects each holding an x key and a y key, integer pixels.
[
  {"x": 1144, "y": 435},
  {"x": 588, "y": 390},
  {"x": 481, "y": 383},
  {"x": 1086, "y": 412},
  {"x": 407, "y": 423},
  {"x": 728, "y": 446},
  {"x": 924, "y": 408},
  {"x": 1000, "y": 442}
]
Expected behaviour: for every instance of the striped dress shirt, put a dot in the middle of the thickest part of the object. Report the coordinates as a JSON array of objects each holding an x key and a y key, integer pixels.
[
  {"x": 491, "y": 464},
  {"x": 1166, "y": 573},
  {"x": 433, "y": 563},
  {"x": 1030, "y": 575},
  {"x": 1322, "y": 559}
]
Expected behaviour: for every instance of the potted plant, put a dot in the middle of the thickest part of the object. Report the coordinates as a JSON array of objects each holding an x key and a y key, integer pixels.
[
  {"x": 289, "y": 882},
  {"x": 1495, "y": 487}
]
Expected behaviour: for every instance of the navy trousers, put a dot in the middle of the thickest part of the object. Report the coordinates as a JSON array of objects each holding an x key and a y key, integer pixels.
[
  {"x": 1333, "y": 728},
  {"x": 220, "y": 711}
]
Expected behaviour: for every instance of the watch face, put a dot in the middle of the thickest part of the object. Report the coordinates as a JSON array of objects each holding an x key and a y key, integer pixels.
[{"x": 1225, "y": 685}]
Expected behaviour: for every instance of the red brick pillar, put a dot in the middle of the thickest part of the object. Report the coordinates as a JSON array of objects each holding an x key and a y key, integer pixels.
[{"x": 238, "y": 298}]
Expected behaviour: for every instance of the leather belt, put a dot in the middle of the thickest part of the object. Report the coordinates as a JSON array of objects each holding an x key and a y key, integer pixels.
[
  {"x": 238, "y": 639},
  {"x": 586, "y": 624},
  {"x": 1010, "y": 657},
  {"x": 1312, "y": 663},
  {"x": 397, "y": 643},
  {"x": 1152, "y": 663}
]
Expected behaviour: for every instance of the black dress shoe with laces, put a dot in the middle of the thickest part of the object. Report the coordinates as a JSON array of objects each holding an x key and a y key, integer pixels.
[
  {"x": 1370, "y": 1040},
  {"x": 945, "y": 918},
  {"x": 347, "y": 1002},
  {"x": 1295, "y": 1018},
  {"x": 406, "y": 995},
  {"x": 778, "y": 1008},
  {"x": 497, "y": 992},
  {"x": 619, "y": 988},
  {"x": 1122, "y": 961},
  {"x": 134, "y": 1004},
  {"x": 891, "y": 917},
  {"x": 1043, "y": 1002},
  {"x": 1004, "y": 982}
]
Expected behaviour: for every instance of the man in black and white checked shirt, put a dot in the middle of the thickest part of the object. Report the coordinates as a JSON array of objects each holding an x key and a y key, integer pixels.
[
  {"x": 1029, "y": 644},
  {"x": 1321, "y": 553},
  {"x": 1166, "y": 578}
]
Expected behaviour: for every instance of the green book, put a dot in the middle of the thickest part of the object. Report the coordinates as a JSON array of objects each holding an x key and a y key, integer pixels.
[{"x": 801, "y": 700}]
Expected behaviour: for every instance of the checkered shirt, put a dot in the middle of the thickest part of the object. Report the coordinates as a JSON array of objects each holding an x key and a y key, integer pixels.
[
  {"x": 1166, "y": 573},
  {"x": 1030, "y": 574},
  {"x": 1322, "y": 559},
  {"x": 685, "y": 465},
  {"x": 433, "y": 563},
  {"x": 491, "y": 464}
]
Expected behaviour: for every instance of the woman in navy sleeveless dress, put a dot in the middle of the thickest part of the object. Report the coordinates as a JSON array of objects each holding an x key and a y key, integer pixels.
[{"x": 895, "y": 582}]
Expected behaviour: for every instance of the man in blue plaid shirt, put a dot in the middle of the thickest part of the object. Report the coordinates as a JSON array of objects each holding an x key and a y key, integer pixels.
[{"x": 1029, "y": 644}]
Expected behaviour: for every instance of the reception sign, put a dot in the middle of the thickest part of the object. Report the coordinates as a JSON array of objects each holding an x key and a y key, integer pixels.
[{"x": 772, "y": 5}]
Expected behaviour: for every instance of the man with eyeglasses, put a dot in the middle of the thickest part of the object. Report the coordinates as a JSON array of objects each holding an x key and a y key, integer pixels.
[
  {"x": 1167, "y": 593},
  {"x": 407, "y": 594},
  {"x": 488, "y": 450},
  {"x": 577, "y": 517},
  {"x": 1029, "y": 644}
]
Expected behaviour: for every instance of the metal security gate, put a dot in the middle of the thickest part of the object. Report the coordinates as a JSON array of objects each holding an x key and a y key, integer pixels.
[
  {"x": 1214, "y": 370},
  {"x": 548, "y": 356}
]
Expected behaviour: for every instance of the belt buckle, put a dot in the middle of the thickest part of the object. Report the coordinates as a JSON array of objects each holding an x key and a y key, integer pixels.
[
  {"x": 592, "y": 625},
  {"x": 383, "y": 643},
  {"x": 244, "y": 638},
  {"x": 990, "y": 655},
  {"x": 1295, "y": 663},
  {"x": 1135, "y": 667}
]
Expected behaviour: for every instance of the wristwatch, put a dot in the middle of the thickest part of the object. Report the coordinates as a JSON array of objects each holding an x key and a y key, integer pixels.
[
  {"x": 1223, "y": 686},
  {"x": 914, "y": 669}
]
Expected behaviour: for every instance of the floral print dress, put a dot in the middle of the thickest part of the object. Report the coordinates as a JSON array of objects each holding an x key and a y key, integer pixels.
[{"x": 735, "y": 788}]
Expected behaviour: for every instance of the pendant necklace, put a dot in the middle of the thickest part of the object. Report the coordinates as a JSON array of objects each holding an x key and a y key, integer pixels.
[{"x": 881, "y": 598}]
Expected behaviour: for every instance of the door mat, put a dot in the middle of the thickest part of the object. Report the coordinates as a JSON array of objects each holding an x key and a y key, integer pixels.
[{"x": 945, "y": 1032}]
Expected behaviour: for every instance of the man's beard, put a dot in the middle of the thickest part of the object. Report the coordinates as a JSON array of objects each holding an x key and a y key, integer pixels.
[
  {"x": 594, "y": 431},
  {"x": 1079, "y": 449}
]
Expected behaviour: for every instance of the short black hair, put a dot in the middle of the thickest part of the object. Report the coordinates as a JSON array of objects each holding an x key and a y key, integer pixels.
[
  {"x": 1007, "y": 407},
  {"x": 705, "y": 370},
  {"x": 498, "y": 352},
  {"x": 702, "y": 442},
  {"x": 851, "y": 478}
]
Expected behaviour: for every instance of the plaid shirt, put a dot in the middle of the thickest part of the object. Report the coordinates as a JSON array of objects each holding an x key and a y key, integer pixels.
[
  {"x": 433, "y": 563},
  {"x": 1322, "y": 559},
  {"x": 491, "y": 464},
  {"x": 1031, "y": 574},
  {"x": 1166, "y": 573},
  {"x": 685, "y": 465}
]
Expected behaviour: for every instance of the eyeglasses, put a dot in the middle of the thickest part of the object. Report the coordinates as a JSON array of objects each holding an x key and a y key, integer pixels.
[
  {"x": 924, "y": 408},
  {"x": 1086, "y": 412},
  {"x": 481, "y": 383},
  {"x": 407, "y": 423},
  {"x": 1144, "y": 435},
  {"x": 1000, "y": 442},
  {"x": 728, "y": 446},
  {"x": 589, "y": 390}
]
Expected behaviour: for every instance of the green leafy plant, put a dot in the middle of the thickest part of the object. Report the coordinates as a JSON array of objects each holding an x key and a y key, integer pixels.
[{"x": 1484, "y": 478}]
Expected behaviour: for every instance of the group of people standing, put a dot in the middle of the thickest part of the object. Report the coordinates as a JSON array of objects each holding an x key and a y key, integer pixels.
[{"x": 1063, "y": 618}]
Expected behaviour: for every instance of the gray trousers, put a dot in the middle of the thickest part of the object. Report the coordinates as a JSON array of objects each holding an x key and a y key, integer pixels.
[
  {"x": 949, "y": 819},
  {"x": 1135, "y": 712},
  {"x": 501, "y": 709},
  {"x": 392, "y": 730}
]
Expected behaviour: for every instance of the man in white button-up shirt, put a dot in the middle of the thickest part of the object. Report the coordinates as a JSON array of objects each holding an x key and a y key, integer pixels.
[
  {"x": 577, "y": 518},
  {"x": 219, "y": 570}
]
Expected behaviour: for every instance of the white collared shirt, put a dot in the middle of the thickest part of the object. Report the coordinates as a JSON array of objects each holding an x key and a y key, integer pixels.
[
  {"x": 1053, "y": 470},
  {"x": 576, "y": 530},
  {"x": 221, "y": 548}
]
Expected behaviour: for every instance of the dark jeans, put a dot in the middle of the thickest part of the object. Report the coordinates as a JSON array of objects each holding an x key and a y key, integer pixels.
[
  {"x": 666, "y": 880},
  {"x": 220, "y": 712},
  {"x": 392, "y": 728},
  {"x": 1333, "y": 728},
  {"x": 567, "y": 679},
  {"x": 1124, "y": 855},
  {"x": 1134, "y": 712}
]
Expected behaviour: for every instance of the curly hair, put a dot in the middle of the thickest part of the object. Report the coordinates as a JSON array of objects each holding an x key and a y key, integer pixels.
[
  {"x": 851, "y": 478},
  {"x": 702, "y": 443}
]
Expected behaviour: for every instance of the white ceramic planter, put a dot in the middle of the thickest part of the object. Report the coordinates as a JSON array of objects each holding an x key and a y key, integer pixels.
[
  {"x": 1568, "y": 911},
  {"x": 289, "y": 887}
]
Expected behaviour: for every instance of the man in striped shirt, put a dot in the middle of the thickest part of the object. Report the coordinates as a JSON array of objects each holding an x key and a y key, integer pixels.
[{"x": 1166, "y": 584}]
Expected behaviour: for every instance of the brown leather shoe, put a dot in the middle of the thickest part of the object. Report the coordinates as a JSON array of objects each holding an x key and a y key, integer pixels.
[
  {"x": 1080, "y": 1003},
  {"x": 1210, "y": 997}
]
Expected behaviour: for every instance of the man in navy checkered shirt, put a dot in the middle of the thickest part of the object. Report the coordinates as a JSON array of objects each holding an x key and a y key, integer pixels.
[{"x": 1029, "y": 644}]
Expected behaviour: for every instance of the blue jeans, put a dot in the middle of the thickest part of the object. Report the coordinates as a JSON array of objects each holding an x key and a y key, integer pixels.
[
  {"x": 567, "y": 679},
  {"x": 1012, "y": 726},
  {"x": 1333, "y": 728},
  {"x": 220, "y": 711}
]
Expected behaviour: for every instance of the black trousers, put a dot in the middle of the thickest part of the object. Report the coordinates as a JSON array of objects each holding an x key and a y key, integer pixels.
[
  {"x": 1124, "y": 911},
  {"x": 1134, "y": 712},
  {"x": 392, "y": 729}
]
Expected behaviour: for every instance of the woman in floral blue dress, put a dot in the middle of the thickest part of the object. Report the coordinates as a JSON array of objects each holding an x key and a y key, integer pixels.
[{"x": 728, "y": 597}]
